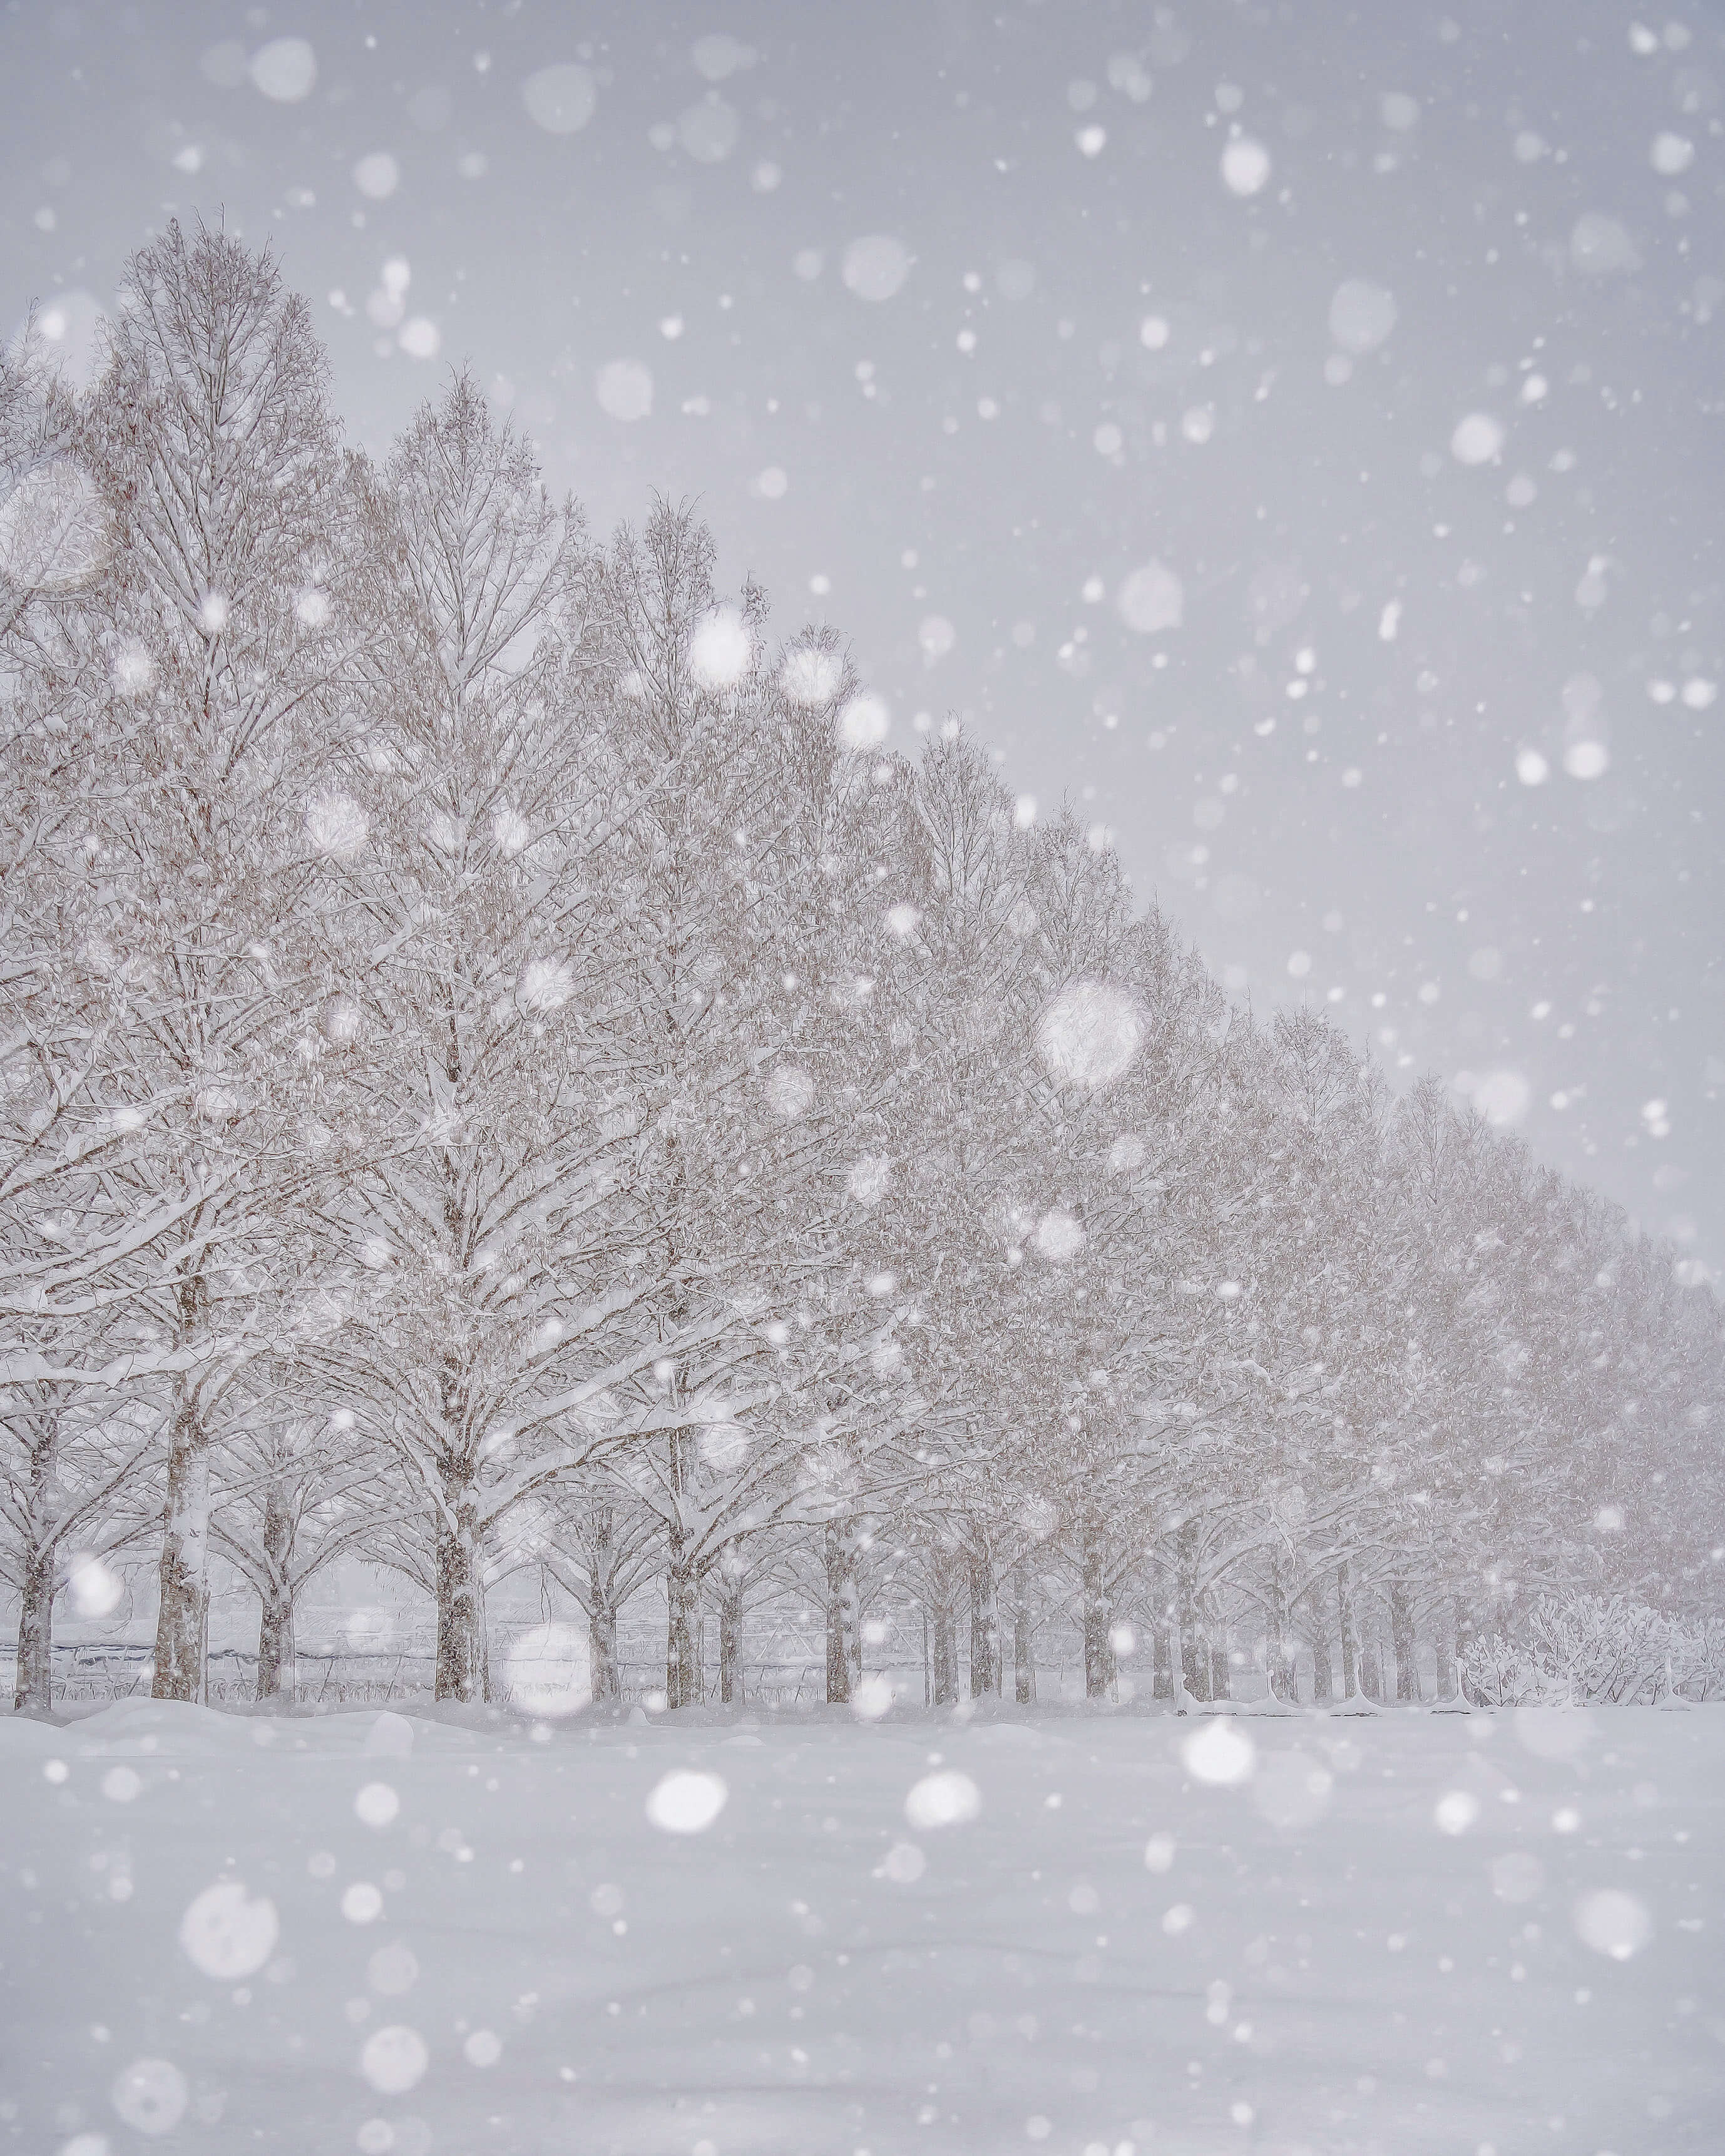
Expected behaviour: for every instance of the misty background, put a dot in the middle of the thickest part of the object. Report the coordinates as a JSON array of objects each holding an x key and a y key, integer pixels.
[{"x": 1292, "y": 436}]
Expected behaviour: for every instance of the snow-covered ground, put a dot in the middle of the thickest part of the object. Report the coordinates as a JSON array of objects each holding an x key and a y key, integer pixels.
[{"x": 1420, "y": 1931}]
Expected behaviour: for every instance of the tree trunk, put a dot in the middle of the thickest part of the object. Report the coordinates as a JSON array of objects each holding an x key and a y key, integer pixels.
[
  {"x": 1162, "y": 1672},
  {"x": 1023, "y": 1668},
  {"x": 1098, "y": 1615},
  {"x": 984, "y": 1624},
  {"x": 602, "y": 1646},
  {"x": 841, "y": 1630},
  {"x": 1277, "y": 1671},
  {"x": 1186, "y": 1673},
  {"x": 276, "y": 1620},
  {"x": 1323, "y": 1675},
  {"x": 182, "y": 1621},
  {"x": 1444, "y": 1637},
  {"x": 275, "y": 1645},
  {"x": 34, "y": 1692},
  {"x": 1184, "y": 1663},
  {"x": 602, "y": 1609},
  {"x": 682, "y": 1656},
  {"x": 730, "y": 1644},
  {"x": 1466, "y": 1632},
  {"x": 33, "y": 1689},
  {"x": 1350, "y": 1636},
  {"x": 1402, "y": 1641},
  {"x": 946, "y": 1651},
  {"x": 461, "y": 1657},
  {"x": 1219, "y": 1667}
]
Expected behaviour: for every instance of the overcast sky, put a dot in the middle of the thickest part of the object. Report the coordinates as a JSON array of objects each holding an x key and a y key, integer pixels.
[{"x": 1293, "y": 433}]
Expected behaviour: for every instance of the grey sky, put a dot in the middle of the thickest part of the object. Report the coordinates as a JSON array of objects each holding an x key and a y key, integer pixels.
[{"x": 1125, "y": 306}]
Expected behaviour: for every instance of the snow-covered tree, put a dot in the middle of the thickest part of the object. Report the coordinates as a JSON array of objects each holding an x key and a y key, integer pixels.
[
  {"x": 295, "y": 1492},
  {"x": 74, "y": 1487},
  {"x": 504, "y": 1071},
  {"x": 183, "y": 1128}
]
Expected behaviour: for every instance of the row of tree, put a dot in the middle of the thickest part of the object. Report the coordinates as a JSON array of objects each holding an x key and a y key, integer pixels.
[{"x": 503, "y": 1070}]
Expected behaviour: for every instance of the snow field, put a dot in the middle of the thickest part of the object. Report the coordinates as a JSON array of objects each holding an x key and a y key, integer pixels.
[{"x": 1392, "y": 1934}]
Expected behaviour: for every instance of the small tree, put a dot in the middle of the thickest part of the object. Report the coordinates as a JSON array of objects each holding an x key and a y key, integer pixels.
[
  {"x": 294, "y": 1494},
  {"x": 70, "y": 1464}
]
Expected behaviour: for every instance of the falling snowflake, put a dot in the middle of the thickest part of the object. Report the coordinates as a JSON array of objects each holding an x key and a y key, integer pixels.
[
  {"x": 875, "y": 268},
  {"x": 1090, "y": 1034},
  {"x": 810, "y": 677},
  {"x": 721, "y": 649},
  {"x": 863, "y": 722},
  {"x": 1060, "y": 1236},
  {"x": 1245, "y": 166},
  {"x": 546, "y": 985},
  {"x": 686, "y": 1802},
  {"x": 285, "y": 71},
  {"x": 561, "y": 99},
  {"x": 946, "y": 1799},
  {"x": 337, "y": 827},
  {"x": 1151, "y": 599},
  {"x": 625, "y": 389},
  {"x": 229, "y": 1933},
  {"x": 394, "y": 2059},
  {"x": 790, "y": 1090},
  {"x": 869, "y": 1178}
]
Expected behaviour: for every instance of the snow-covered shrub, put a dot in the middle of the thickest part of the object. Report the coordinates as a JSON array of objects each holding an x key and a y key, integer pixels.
[
  {"x": 1703, "y": 1674},
  {"x": 1497, "y": 1671},
  {"x": 1582, "y": 1649}
]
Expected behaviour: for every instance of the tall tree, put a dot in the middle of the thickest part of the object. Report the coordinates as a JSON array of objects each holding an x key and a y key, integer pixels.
[{"x": 209, "y": 439}]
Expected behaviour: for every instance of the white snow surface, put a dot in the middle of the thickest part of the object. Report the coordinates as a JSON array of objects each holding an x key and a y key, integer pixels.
[{"x": 1320, "y": 1966}]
